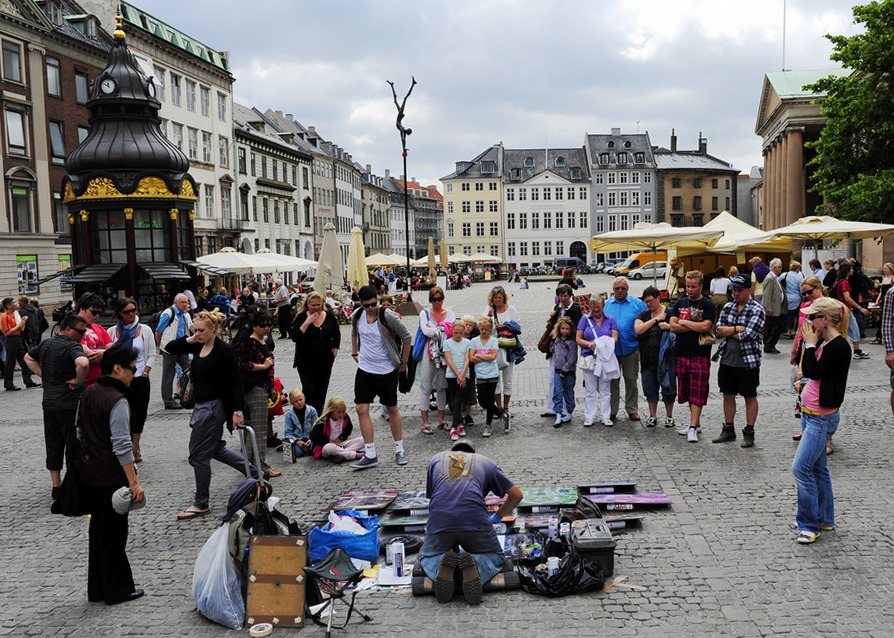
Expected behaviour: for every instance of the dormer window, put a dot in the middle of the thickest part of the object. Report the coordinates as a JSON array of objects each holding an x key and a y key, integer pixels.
[
  {"x": 54, "y": 12},
  {"x": 611, "y": 144},
  {"x": 515, "y": 173},
  {"x": 575, "y": 172},
  {"x": 627, "y": 144},
  {"x": 622, "y": 158},
  {"x": 560, "y": 162},
  {"x": 603, "y": 158},
  {"x": 639, "y": 158},
  {"x": 90, "y": 26},
  {"x": 529, "y": 162},
  {"x": 487, "y": 168}
]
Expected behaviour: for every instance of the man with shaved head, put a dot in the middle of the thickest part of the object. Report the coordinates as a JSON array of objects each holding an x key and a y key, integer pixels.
[{"x": 174, "y": 323}]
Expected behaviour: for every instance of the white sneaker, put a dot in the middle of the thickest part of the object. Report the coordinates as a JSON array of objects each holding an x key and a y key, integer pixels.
[
  {"x": 588, "y": 424},
  {"x": 608, "y": 423},
  {"x": 566, "y": 418},
  {"x": 692, "y": 436},
  {"x": 558, "y": 422},
  {"x": 685, "y": 429}
]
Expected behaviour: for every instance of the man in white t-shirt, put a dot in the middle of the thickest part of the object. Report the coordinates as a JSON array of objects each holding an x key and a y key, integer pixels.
[{"x": 374, "y": 347}]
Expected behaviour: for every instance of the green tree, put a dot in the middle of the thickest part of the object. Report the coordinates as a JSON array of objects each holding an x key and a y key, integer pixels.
[{"x": 854, "y": 164}]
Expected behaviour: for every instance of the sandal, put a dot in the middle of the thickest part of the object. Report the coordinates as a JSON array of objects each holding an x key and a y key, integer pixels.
[
  {"x": 829, "y": 448},
  {"x": 796, "y": 436},
  {"x": 426, "y": 429},
  {"x": 190, "y": 513}
]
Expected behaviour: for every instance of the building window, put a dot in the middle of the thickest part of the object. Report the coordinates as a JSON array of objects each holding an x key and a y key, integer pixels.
[
  {"x": 54, "y": 77},
  {"x": 479, "y": 229},
  {"x": 600, "y": 178},
  {"x": 612, "y": 178},
  {"x": 177, "y": 132},
  {"x": 276, "y": 218},
  {"x": 57, "y": 142},
  {"x": 12, "y": 61},
  {"x": 647, "y": 178},
  {"x": 622, "y": 158},
  {"x": 727, "y": 203},
  {"x": 224, "y": 147},
  {"x": 523, "y": 221},
  {"x": 547, "y": 220},
  {"x": 209, "y": 200},
  {"x": 634, "y": 177},
  {"x": 479, "y": 206},
  {"x": 697, "y": 202},
  {"x": 639, "y": 158},
  {"x": 81, "y": 85},
  {"x": 698, "y": 219},
  {"x": 676, "y": 182},
  {"x": 603, "y": 158},
  {"x": 635, "y": 219},
  {"x": 20, "y": 195},
  {"x": 225, "y": 206},
  {"x": 107, "y": 235},
  {"x": 175, "y": 89},
  {"x": 547, "y": 248},
  {"x": 714, "y": 182},
  {"x": 494, "y": 229},
  {"x": 493, "y": 206},
  {"x": 570, "y": 192},
  {"x": 206, "y": 147},
  {"x": 529, "y": 162},
  {"x": 560, "y": 248},
  {"x": 467, "y": 207},
  {"x": 535, "y": 194},
  {"x": 575, "y": 172},
  {"x": 83, "y": 131},
  {"x": 467, "y": 229},
  {"x": 275, "y": 169},
  {"x": 305, "y": 175},
  {"x": 582, "y": 193},
  {"x": 647, "y": 198},
  {"x": 16, "y": 135},
  {"x": 727, "y": 186},
  {"x": 449, "y": 208},
  {"x": 560, "y": 192},
  {"x": 622, "y": 198},
  {"x": 522, "y": 194},
  {"x": 676, "y": 203},
  {"x": 560, "y": 219},
  {"x": 510, "y": 248},
  {"x": 205, "y": 100},
  {"x": 307, "y": 212},
  {"x": 159, "y": 81},
  {"x": 254, "y": 207},
  {"x": 252, "y": 163},
  {"x": 583, "y": 219},
  {"x": 714, "y": 202},
  {"x": 492, "y": 186},
  {"x": 449, "y": 187},
  {"x": 612, "y": 198},
  {"x": 465, "y": 186},
  {"x": 600, "y": 199},
  {"x": 634, "y": 198},
  {"x": 600, "y": 225},
  {"x": 510, "y": 221},
  {"x": 622, "y": 177},
  {"x": 192, "y": 142},
  {"x": 241, "y": 153},
  {"x": 697, "y": 182},
  {"x": 523, "y": 249},
  {"x": 494, "y": 250},
  {"x": 450, "y": 229},
  {"x": 510, "y": 194},
  {"x": 547, "y": 193},
  {"x": 535, "y": 220},
  {"x": 479, "y": 186},
  {"x": 190, "y": 96},
  {"x": 612, "y": 223},
  {"x": 535, "y": 248},
  {"x": 222, "y": 107},
  {"x": 265, "y": 209}
]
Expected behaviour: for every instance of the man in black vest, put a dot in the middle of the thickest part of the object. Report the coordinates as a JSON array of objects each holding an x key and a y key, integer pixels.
[{"x": 107, "y": 464}]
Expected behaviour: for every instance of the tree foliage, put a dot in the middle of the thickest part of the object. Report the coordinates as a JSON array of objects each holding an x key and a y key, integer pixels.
[{"x": 854, "y": 164}]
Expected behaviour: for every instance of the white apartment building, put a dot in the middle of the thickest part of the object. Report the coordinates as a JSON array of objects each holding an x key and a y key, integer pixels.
[
  {"x": 194, "y": 84},
  {"x": 473, "y": 197},
  {"x": 274, "y": 185},
  {"x": 398, "y": 222},
  {"x": 546, "y": 207},
  {"x": 376, "y": 209}
]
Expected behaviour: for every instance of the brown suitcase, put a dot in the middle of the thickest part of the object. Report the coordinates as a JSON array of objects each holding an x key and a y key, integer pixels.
[{"x": 276, "y": 581}]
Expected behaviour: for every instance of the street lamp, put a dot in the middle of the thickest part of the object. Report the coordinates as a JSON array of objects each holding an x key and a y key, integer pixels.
[{"x": 403, "y": 144}]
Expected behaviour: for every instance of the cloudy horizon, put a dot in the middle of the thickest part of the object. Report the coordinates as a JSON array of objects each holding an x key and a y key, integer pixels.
[{"x": 527, "y": 74}]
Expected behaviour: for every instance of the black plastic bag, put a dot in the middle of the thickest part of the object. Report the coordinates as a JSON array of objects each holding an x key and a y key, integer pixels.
[
  {"x": 575, "y": 575},
  {"x": 406, "y": 379},
  {"x": 72, "y": 500}
]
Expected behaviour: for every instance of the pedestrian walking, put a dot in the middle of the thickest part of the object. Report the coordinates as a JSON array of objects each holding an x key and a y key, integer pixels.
[
  {"x": 775, "y": 307},
  {"x": 133, "y": 334},
  {"x": 826, "y": 361},
  {"x": 13, "y": 325},
  {"x": 61, "y": 364},
  {"x": 317, "y": 338},
  {"x": 217, "y": 391},
  {"x": 791, "y": 280},
  {"x": 283, "y": 308},
  {"x": 597, "y": 336},
  {"x": 624, "y": 309},
  {"x": 741, "y": 328},
  {"x": 174, "y": 323},
  {"x": 657, "y": 363},
  {"x": 844, "y": 292},
  {"x": 106, "y": 465},
  {"x": 691, "y": 318},
  {"x": 436, "y": 324},
  {"x": 380, "y": 345},
  {"x": 565, "y": 306}
]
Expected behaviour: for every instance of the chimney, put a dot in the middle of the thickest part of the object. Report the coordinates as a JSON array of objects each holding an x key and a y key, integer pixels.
[
  {"x": 387, "y": 173},
  {"x": 412, "y": 179},
  {"x": 616, "y": 131},
  {"x": 279, "y": 113},
  {"x": 369, "y": 168},
  {"x": 290, "y": 117},
  {"x": 312, "y": 130},
  {"x": 702, "y": 144},
  {"x": 673, "y": 141}
]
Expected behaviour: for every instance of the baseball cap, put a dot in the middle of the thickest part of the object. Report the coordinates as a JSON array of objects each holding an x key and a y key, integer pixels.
[
  {"x": 740, "y": 281},
  {"x": 825, "y": 306},
  {"x": 122, "y": 501}
]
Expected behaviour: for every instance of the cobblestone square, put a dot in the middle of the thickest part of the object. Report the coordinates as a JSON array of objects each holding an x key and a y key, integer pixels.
[{"x": 721, "y": 561}]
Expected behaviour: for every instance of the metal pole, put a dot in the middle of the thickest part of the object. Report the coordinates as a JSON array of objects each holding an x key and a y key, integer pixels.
[{"x": 406, "y": 211}]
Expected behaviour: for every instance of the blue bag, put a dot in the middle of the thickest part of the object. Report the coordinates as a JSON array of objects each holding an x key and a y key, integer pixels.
[
  {"x": 361, "y": 546},
  {"x": 418, "y": 343}
]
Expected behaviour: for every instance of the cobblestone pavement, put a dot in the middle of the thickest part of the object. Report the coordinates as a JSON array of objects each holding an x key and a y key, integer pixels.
[{"x": 722, "y": 561}]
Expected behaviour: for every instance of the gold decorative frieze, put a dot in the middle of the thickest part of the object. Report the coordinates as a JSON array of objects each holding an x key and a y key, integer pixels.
[
  {"x": 147, "y": 188},
  {"x": 186, "y": 190}
]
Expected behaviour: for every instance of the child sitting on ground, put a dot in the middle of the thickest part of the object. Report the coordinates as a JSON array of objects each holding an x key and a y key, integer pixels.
[
  {"x": 330, "y": 433},
  {"x": 298, "y": 423},
  {"x": 564, "y": 354}
]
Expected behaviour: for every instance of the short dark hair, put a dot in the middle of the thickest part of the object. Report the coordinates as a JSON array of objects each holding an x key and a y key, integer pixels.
[
  {"x": 259, "y": 317},
  {"x": 564, "y": 289},
  {"x": 72, "y": 321},
  {"x": 367, "y": 292},
  {"x": 124, "y": 303},
  {"x": 651, "y": 291},
  {"x": 90, "y": 300},
  {"x": 462, "y": 446},
  {"x": 7, "y": 302},
  {"x": 118, "y": 354}
]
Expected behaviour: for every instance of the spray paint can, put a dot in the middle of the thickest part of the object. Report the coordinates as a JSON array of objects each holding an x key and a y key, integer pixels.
[
  {"x": 397, "y": 557},
  {"x": 564, "y": 529},
  {"x": 552, "y": 565},
  {"x": 553, "y": 528}
]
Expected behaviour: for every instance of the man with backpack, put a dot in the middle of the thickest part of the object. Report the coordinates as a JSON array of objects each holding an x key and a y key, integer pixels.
[
  {"x": 375, "y": 334},
  {"x": 173, "y": 323}
]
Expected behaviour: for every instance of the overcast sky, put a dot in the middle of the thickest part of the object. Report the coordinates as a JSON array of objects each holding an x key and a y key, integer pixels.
[{"x": 529, "y": 73}]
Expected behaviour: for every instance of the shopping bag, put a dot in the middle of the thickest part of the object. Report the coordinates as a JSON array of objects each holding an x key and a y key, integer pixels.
[{"x": 215, "y": 583}]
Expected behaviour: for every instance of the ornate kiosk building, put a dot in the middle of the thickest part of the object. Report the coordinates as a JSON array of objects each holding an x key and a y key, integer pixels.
[{"x": 129, "y": 195}]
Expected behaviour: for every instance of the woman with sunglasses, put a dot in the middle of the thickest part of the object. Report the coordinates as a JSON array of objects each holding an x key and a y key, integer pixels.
[
  {"x": 436, "y": 324},
  {"x": 501, "y": 312},
  {"x": 826, "y": 360},
  {"x": 96, "y": 339},
  {"x": 139, "y": 336},
  {"x": 217, "y": 390},
  {"x": 256, "y": 362},
  {"x": 317, "y": 338}
]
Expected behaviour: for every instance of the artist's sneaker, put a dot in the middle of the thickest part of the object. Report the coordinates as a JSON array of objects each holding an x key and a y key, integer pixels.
[
  {"x": 401, "y": 458},
  {"x": 692, "y": 435},
  {"x": 684, "y": 431},
  {"x": 669, "y": 422},
  {"x": 365, "y": 463},
  {"x": 485, "y": 431},
  {"x": 651, "y": 422}
]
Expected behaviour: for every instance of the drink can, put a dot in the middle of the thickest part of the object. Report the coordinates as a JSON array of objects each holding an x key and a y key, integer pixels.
[
  {"x": 397, "y": 556},
  {"x": 553, "y": 526},
  {"x": 552, "y": 565},
  {"x": 565, "y": 529}
]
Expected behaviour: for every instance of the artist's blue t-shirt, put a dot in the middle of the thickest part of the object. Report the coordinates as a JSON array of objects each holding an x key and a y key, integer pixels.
[{"x": 457, "y": 483}]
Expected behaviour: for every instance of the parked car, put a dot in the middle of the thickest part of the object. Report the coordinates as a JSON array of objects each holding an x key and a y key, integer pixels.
[
  {"x": 610, "y": 266},
  {"x": 655, "y": 269}
]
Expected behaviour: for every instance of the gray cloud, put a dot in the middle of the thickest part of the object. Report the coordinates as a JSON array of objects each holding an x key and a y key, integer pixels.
[{"x": 524, "y": 73}]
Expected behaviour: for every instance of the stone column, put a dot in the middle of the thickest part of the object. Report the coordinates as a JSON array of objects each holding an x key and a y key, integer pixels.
[
  {"x": 769, "y": 184},
  {"x": 794, "y": 192},
  {"x": 781, "y": 216}
]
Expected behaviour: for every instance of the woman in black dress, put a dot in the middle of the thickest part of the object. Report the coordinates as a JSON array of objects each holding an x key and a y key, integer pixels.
[{"x": 317, "y": 338}]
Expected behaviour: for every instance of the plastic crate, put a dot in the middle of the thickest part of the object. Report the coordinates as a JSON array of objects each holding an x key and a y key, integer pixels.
[{"x": 593, "y": 540}]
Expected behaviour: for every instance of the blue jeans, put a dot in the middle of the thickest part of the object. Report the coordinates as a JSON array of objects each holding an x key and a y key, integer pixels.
[
  {"x": 482, "y": 545},
  {"x": 816, "y": 503},
  {"x": 563, "y": 393},
  {"x": 652, "y": 383}
]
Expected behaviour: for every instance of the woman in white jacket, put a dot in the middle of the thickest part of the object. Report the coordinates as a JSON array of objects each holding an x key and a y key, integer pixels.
[
  {"x": 130, "y": 332},
  {"x": 597, "y": 334},
  {"x": 431, "y": 371}
]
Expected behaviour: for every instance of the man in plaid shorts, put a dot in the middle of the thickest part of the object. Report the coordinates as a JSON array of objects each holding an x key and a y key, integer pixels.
[{"x": 692, "y": 316}]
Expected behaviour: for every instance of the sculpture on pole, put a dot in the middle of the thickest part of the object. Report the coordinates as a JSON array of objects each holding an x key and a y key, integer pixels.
[{"x": 404, "y": 131}]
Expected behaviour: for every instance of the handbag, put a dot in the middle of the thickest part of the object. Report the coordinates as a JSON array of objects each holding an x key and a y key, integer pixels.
[
  {"x": 545, "y": 339},
  {"x": 419, "y": 342},
  {"x": 707, "y": 338},
  {"x": 506, "y": 337},
  {"x": 587, "y": 363},
  {"x": 187, "y": 391},
  {"x": 71, "y": 500}
]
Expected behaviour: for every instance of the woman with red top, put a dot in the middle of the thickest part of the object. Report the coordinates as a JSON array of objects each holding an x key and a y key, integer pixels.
[{"x": 13, "y": 325}]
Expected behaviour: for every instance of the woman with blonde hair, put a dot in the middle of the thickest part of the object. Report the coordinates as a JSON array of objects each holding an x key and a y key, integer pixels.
[
  {"x": 217, "y": 390},
  {"x": 317, "y": 338},
  {"x": 825, "y": 363}
]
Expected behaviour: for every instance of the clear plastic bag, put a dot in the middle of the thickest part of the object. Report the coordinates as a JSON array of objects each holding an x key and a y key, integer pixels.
[{"x": 215, "y": 583}]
